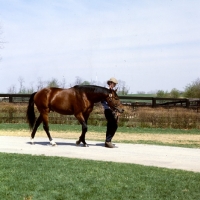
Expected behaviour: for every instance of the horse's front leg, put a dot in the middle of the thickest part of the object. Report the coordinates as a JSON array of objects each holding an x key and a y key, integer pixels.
[{"x": 82, "y": 137}]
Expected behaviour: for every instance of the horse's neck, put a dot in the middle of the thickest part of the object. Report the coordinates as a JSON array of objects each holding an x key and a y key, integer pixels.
[
  {"x": 98, "y": 96},
  {"x": 94, "y": 93}
]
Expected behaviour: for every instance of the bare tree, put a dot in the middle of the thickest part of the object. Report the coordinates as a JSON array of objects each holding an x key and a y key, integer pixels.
[
  {"x": 78, "y": 80},
  {"x": 21, "y": 86},
  {"x": 122, "y": 88},
  {"x": 12, "y": 89},
  {"x": 40, "y": 84},
  {"x": 63, "y": 83}
]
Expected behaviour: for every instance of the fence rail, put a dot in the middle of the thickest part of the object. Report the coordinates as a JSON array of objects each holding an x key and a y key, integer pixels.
[
  {"x": 129, "y": 100},
  {"x": 15, "y": 112},
  {"x": 14, "y": 98}
]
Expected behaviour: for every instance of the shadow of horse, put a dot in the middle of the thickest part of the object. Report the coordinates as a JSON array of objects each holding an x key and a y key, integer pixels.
[
  {"x": 47, "y": 143},
  {"x": 65, "y": 144}
]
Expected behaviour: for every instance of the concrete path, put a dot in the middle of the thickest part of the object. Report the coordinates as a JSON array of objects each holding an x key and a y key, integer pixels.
[{"x": 149, "y": 155}]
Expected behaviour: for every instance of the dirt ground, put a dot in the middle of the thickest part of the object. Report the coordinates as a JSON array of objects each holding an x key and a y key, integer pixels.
[
  {"x": 119, "y": 137},
  {"x": 143, "y": 154}
]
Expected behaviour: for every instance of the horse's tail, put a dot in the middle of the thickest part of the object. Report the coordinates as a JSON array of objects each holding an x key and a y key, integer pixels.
[{"x": 30, "y": 114}]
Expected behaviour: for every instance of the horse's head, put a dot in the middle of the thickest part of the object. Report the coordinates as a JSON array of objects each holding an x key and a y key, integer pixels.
[{"x": 114, "y": 102}]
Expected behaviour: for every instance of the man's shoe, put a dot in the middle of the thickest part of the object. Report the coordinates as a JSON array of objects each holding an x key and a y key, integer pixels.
[{"x": 109, "y": 145}]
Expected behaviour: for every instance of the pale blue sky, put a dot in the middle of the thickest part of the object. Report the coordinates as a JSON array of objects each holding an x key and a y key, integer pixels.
[{"x": 151, "y": 45}]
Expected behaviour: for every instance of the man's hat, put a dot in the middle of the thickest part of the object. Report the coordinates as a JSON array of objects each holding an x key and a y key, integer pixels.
[{"x": 112, "y": 80}]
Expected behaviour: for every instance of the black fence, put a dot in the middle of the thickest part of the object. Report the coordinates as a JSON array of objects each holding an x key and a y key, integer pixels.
[
  {"x": 135, "y": 101},
  {"x": 14, "y": 98}
]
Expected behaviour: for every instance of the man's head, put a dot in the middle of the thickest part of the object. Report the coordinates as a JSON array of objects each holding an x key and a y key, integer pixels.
[{"x": 112, "y": 82}]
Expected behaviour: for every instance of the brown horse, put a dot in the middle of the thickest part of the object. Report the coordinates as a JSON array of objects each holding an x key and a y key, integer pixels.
[{"x": 77, "y": 101}]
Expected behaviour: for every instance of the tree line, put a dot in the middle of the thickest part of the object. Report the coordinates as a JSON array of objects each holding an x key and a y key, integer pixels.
[
  {"x": 191, "y": 90},
  {"x": 122, "y": 88}
]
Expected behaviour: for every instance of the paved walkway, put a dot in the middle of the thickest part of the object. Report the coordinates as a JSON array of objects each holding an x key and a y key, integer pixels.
[{"x": 149, "y": 155}]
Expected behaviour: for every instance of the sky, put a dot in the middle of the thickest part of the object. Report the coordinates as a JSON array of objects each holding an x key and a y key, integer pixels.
[{"x": 150, "y": 45}]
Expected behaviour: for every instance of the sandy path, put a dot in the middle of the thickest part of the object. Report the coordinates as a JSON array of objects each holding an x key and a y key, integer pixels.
[
  {"x": 162, "y": 138},
  {"x": 149, "y": 155}
]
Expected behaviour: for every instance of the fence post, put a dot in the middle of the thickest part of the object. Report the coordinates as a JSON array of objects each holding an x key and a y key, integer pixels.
[
  {"x": 10, "y": 99},
  {"x": 187, "y": 103},
  {"x": 153, "y": 102}
]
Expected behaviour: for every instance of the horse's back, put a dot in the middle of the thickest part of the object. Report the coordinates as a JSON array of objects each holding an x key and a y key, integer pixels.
[
  {"x": 44, "y": 96},
  {"x": 56, "y": 99},
  {"x": 46, "y": 93},
  {"x": 64, "y": 101}
]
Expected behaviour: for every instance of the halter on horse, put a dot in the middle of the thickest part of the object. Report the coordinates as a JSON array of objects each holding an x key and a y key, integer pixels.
[{"x": 78, "y": 101}]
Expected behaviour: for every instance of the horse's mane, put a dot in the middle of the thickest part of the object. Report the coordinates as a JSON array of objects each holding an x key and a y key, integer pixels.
[{"x": 91, "y": 88}]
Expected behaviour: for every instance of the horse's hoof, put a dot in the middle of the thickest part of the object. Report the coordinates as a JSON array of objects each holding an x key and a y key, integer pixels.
[
  {"x": 53, "y": 143},
  {"x": 32, "y": 141},
  {"x": 78, "y": 142},
  {"x": 86, "y": 145}
]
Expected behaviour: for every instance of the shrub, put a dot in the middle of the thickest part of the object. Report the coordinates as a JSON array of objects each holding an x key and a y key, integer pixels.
[{"x": 179, "y": 118}]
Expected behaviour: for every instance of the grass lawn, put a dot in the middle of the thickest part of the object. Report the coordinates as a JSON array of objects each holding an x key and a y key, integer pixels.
[
  {"x": 39, "y": 177},
  {"x": 101, "y": 129}
]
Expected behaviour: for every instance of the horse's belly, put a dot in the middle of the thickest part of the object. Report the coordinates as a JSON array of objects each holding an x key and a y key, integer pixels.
[{"x": 63, "y": 111}]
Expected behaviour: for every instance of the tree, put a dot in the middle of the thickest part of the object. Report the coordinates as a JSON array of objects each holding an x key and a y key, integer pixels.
[
  {"x": 162, "y": 94},
  {"x": 122, "y": 88},
  {"x": 21, "y": 86},
  {"x": 40, "y": 84},
  {"x": 193, "y": 90},
  {"x": 53, "y": 83},
  {"x": 63, "y": 83},
  {"x": 12, "y": 89},
  {"x": 175, "y": 93},
  {"x": 85, "y": 83},
  {"x": 78, "y": 80}
]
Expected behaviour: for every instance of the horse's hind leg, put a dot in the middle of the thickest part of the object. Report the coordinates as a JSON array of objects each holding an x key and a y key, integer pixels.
[
  {"x": 37, "y": 124},
  {"x": 46, "y": 128}
]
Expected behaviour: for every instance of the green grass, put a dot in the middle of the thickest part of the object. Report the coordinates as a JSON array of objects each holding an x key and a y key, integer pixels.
[
  {"x": 40, "y": 177},
  {"x": 152, "y": 142},
  {"x": 101, "y": 129}
]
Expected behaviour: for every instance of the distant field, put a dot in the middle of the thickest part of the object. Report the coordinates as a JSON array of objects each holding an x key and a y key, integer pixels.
[{"x": 142, "y": 95}]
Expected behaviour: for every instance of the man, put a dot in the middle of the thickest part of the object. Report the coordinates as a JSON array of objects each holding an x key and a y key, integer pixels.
[{"x": 110, "y": 117}]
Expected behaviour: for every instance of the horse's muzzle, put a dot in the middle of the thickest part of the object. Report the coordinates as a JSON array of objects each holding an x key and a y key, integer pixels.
[{"x": 120, "y": 110}]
